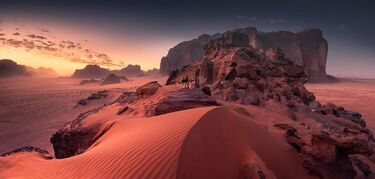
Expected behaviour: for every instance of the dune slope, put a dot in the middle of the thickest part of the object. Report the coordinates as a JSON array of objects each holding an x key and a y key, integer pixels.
[{"x": 209, "y": 142}]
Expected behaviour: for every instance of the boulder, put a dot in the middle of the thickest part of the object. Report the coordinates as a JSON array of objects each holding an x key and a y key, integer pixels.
[
  {"x": 148, "y": 89},
  {"x": 184, "y": 99},
  {"x": 84, "y": 82},
  {"x": 111, "y": 79}
]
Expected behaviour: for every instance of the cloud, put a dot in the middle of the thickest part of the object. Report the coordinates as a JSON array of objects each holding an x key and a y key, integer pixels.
[
  {"x": 44, "y": 30},
  {"x": 37, "y": 37},
  {"x": 67, "y": 49}
]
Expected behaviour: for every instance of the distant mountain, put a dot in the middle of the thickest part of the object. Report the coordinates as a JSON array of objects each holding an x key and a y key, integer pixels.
[
  {"x": 9, "y": 68},
  {"x": 130, "y": 70},
  {"x": 153, "y": 71},
  {"x": 91, "y": 71},
  {"x": 41, "y": 71}
]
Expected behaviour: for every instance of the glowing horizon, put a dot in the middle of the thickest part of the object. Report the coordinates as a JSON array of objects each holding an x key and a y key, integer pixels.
[{"x": 52, "y": 46}]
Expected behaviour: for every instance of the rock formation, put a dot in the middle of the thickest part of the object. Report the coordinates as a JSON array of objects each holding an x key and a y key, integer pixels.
[
  {"x": 9, "y": 68},
  {"x": 40, "y": 151},
  {"x": 95, "y": 71},
  {"x": 130, "y": 70},
  {"x": 91, "y": 71},
  {"x": 111, "y": 79},
  {"x": 235, "y": 71},
  {"x": 307, "y": 48},
  {"x": 184, "y": 53},
  {"x": 42, "y": 71}
]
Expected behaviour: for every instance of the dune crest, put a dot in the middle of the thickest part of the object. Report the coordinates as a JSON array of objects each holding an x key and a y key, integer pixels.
[{"x": 175, "y": 145}]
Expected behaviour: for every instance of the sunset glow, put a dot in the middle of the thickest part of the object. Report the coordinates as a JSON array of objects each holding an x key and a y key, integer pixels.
[{"x": 66, "y": 48}]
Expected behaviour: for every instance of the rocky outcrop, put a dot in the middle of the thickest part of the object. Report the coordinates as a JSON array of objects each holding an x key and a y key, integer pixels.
[
  {"x": 130, "y": 70},
  {"x": 91, "y": 71},
  {"x": 111, "y": 79},
  {"x": 185, "y": 53},
  {"x": 40, "y": 151},
  {"x": 9, "y": 68},
  {"x": 307, "y": 48},
  {"x": 244, "y": 74},
  {"x": 184, "y": 99},
  {"x": 148, "y": 89},
  {"x": 240, "y": 73},
  {"x": 93, "y": 96}
]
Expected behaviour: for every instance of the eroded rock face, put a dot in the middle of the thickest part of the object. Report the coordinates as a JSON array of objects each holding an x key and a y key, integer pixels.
[
  {"x": 248, "y": 76},
  {"x": 307, "y": 48},
  {"x": 111, "y": 79},
  {"x": 185, "y": 53},
  {"x": 148, "y": 89},
  {"x": 184, "y": 99},
  {"x": 74, "y": 138},
  {"x": 244, "y": 74}
]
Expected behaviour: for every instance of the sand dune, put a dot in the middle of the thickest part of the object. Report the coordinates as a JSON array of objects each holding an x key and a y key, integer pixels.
[{"x": 205, "y": 142}]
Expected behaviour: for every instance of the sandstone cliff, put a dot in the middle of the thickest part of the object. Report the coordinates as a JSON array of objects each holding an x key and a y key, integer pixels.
[{"x": 307, "y": 48}]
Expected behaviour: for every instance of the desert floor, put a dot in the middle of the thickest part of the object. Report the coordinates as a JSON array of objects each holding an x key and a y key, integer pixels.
[
  {"x": 353, "y": 94},
  {"x": 33, "y": 109}
]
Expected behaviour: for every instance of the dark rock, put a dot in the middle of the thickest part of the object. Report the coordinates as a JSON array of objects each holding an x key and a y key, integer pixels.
[
  {"x": 184, "y": 99},
  {"x": 83, "y": 102},
  {"x": 252, "y": 171},
  {"x": 251, "y": 99},
  {"x": 73, "y": 139},
  {"x": 148, "y": 89},
  {"x": 365, "y": 169},
  {"x": 42, "y": 152},
  {"x": 84, "y": 82},
  {"x": 206, "y": 90},
  {"x": 242, "y": 111},
  {"x": 122, "y": 110},
  {"x": 96, "y": 96},
  {"x": 111, "y": 79}
]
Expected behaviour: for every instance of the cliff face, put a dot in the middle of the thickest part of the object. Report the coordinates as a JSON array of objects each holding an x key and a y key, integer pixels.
[
  {"x": 185, "y": 53},
  {"x": 307, "y": 48}
]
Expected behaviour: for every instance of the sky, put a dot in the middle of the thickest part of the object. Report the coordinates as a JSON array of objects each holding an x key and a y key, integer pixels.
[{"x": 67, "y": 35}]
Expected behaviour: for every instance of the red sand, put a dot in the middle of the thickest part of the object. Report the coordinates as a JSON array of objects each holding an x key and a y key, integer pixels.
[{"x": 198, "y": 143}]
